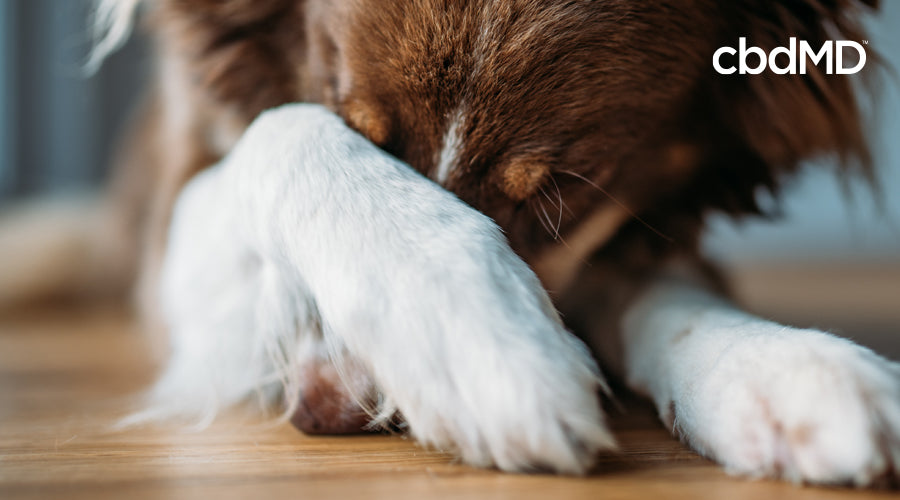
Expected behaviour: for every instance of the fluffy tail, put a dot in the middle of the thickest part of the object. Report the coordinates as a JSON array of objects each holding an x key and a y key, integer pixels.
[{"x": 61, "y": 248}]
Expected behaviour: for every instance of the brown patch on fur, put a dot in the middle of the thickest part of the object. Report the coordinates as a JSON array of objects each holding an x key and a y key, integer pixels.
[
  {"x": 523, "y": 177},
  {"x": 368, "y": 121},
  {"x": 325, "y": 405}
]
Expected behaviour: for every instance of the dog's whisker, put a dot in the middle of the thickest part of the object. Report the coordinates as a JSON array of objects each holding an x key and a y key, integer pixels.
[
  {"x": 541, "y": 219},
  {"x": 541, "y": 190},
  {"x": 558, "y": 207},
  {"x": 558, "y": 225},
  {"x": 562, "y": 202},
  {"x": 553, "y": 231},
  {"x": 621, "y": 205}
]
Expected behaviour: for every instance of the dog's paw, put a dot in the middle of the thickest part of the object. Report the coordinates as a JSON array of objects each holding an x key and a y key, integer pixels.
[
  {"x": 519, "y": 414},
  {"x": 494, "y": 377},
  {"x": 500, "y": 379},
  {"x": 527, "y": 424},
  {"x": 799, "y": 405},
  {"x": 475, "y": 358}
]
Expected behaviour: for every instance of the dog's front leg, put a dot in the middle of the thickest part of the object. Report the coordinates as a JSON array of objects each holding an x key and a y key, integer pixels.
[
  {"x": 761, "y": 398},
  {"x": 454, "y": 328}
]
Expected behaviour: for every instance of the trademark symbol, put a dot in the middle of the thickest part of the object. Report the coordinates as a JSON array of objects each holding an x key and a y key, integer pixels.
[{"x": 865, "y": 42}]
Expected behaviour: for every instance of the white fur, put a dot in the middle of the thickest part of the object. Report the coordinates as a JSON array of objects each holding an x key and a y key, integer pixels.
[
  {"x": 452, "y": 144},
  {"x": 307, "y": 233},
  {"x": 761, "y": 398}
]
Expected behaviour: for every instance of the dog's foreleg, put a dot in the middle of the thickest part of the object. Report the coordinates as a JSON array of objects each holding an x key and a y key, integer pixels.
[
  {"x": 421, "y": 289},
  {"x": 761, "y": 398}
]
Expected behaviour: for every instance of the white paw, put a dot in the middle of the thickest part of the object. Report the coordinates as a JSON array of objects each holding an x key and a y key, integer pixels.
[
  {"x": 489, "y": 372},
  {"x": 799, "y": 405},
  {"x": 520, "y": 411},
  {"x": 466, "y": 344}
]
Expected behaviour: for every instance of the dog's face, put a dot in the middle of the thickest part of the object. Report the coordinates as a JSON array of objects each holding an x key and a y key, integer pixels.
[
  {"x": 540, "y": 112},
  {"x": 522, "y": 108}
]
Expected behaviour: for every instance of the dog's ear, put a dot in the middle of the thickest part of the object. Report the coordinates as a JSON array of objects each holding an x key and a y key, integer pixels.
[
  {"x": 765, "y": 125},
  {"x": 244, "y": 54}
]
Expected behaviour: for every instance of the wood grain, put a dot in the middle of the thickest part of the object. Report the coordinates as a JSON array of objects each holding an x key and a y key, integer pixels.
[{"x": 67, "y": 375}]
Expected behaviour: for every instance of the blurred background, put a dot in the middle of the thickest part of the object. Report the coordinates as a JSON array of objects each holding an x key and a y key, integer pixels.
[
  {"x": 58, "y": 127},
  {"x": 834, "y": 251}
]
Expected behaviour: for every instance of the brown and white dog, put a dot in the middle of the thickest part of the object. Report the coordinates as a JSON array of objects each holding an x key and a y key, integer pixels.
[{"x": 363, "y": 258}]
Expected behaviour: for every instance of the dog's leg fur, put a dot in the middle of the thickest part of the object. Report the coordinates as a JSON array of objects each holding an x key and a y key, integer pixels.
[
  {"x": 761, "y": 398},
  {"x": 241, "y": 326},
  {"x": 422, "y": 290}
]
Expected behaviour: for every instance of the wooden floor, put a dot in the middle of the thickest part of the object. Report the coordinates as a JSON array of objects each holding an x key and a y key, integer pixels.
[{"x": 65, "y": 377}]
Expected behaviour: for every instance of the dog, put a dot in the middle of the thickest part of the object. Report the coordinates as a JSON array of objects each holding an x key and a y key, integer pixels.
[{"x": 379, "y": 213}]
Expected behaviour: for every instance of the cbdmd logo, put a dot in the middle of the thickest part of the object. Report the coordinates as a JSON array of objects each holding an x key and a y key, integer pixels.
[{"x": 831, "y": 54}]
